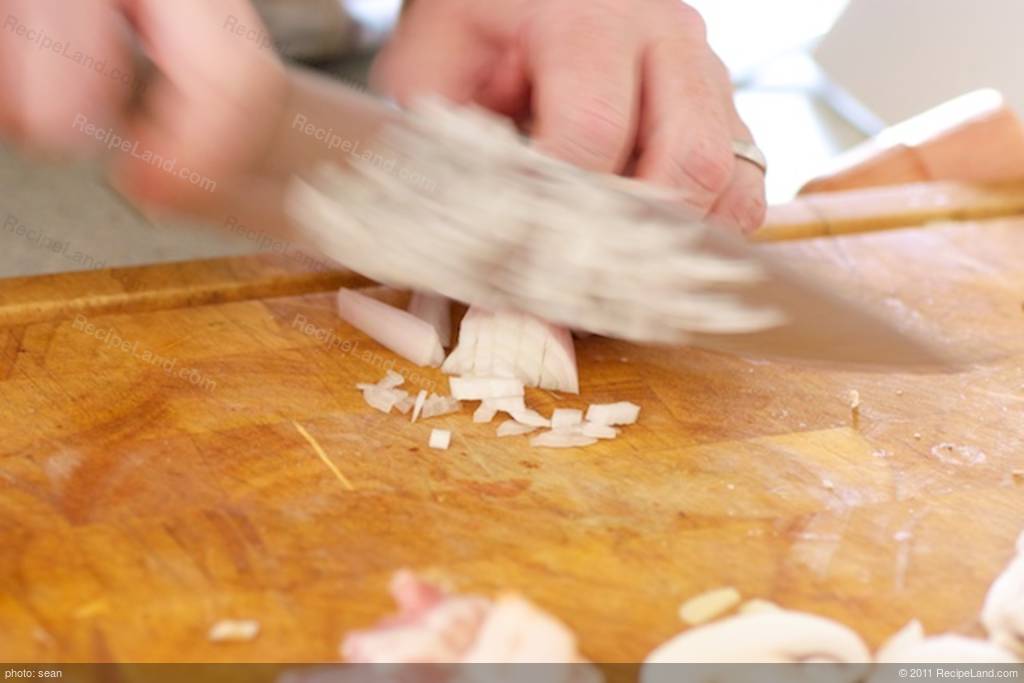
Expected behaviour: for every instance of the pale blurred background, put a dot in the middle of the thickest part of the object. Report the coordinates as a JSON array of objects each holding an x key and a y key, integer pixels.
[{"x": 814, "y": 77}]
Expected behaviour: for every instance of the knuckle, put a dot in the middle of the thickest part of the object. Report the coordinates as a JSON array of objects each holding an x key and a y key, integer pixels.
[
  {"x": 596, "y": 135},
  {"x": 709, "y": 166},
  {"x": 688, "y": 18}
]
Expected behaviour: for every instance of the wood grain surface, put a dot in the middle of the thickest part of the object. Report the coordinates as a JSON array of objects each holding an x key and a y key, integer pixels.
[{"x": 152, "y": 482}]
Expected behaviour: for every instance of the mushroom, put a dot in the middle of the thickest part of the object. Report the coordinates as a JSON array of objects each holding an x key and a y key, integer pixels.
[
  {"x": 780, "y": 636},
  {"x": 1003, "y": 612}
]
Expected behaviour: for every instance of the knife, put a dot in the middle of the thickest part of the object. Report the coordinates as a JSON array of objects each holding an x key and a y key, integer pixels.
[{"x": 453, "y": 200}]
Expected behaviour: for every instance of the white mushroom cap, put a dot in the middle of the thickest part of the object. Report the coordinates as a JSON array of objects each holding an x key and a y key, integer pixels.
[
  {"x": 774, "y": 636},
  {"x": 1003, "y": 613}
]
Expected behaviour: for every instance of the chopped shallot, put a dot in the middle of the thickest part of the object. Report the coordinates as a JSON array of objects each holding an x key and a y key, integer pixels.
[
  {"x": 417, "y": 406},
  {"x": 513, "y": 428},
  {"x": 566, "y": 417},
  {"x": 485, "y": 413},
  {"x": 398, "y": 330},
  {"x": 530, "y": 417},
  {"x": 436, "y": 310},
  {"x": 405, "y": 404},
  {"x": 515, "y": 345},
  {"x": 598, "y": 431},
  {"x": 621, "y": 413},
  {"x": 506, "y": 404},
  {"x": 440, "y": 439},
  {"x": 479, "y": 388},
  {"x": 383, "y": 399},
  {"x": 560, "y": 439},
  {"x": 435, "y": 406},
  {"x": 391, "y": 380}
]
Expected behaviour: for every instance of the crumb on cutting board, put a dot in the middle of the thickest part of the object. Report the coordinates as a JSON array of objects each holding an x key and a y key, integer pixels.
[
  {"x": 708, "y": 605},
  {"x": 234, "y": 631}
]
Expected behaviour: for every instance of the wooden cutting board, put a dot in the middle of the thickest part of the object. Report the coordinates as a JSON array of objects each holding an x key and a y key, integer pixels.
[{"x": 152, "y": 487}]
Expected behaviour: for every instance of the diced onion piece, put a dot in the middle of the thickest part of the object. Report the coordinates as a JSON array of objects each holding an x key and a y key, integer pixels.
[
  {"x": 621, "y": 413},
  {"x": 566, "y": 417},
  {"x": 513, "y": 428},
  {"x": 506, "y": 404},
  {"x": 479, "y": 388},
  {"x": 233, "y": 631},
  {"x": 417, "y": 407},
  {"x": 512, "y": 344},
  {"x": 530, "y": 417},
  {"x": 558, "y": 369},
  {"x": 485, "y": 413},
  {"x": 708, "y": 605},
  {"x": 382, "y": 399},
  {"x": 436, "y": 310},
  {"x": 391, "y": 380},
  {"x": 440, "y": 439},
  {"x": 555, "y": 439},
  {"x": 436, "y": 406},
  {"x": 398, "y": 330},
  {"x": 598, "y": 431},
  {"x": 405, "y": 404}
]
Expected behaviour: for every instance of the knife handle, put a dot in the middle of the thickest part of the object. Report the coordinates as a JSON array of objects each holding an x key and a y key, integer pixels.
[{"x": 881, "y": 208}]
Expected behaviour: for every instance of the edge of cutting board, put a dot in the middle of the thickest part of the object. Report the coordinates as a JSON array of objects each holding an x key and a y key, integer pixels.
[{"x": 40, "y": 298}]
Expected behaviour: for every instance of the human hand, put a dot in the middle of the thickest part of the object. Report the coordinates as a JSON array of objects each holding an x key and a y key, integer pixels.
[
  {"x": 177, "y": 138},
  {"x": 617, "y": 86}
]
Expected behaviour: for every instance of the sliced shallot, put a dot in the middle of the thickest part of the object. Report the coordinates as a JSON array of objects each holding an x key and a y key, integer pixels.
[
  {"x": 405, "y": 334},
  {"x": 621, "y": 413},
  {"x": 559, "y": 439},
  {"x": 436, "y": 310},
  {"x": 513, "y": 428},
  {"x": 479, "y": 388},
  {"x": 512, "y": 344},
  {"x": 566, "y": 417},
  {"x": 435, "y": 406},
  {"x": 417, "y": 406}
]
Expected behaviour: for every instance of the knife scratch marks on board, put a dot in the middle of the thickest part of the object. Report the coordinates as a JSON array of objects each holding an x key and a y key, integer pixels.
[{"x": 323, "y": 456}]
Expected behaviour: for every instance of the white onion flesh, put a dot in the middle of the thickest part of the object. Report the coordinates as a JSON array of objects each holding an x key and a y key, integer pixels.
[
  {"x": 440, "y": 439},
  {"x": 405, "y": 404},
  {"x": 515, "y": 345},
  {"x": 405, "y": 334},
  {"x": 484, "y": 413},
  {"x": 480, "y": 388},
  {"x": 598, "y": 431},
  {"x": 566, "y": 417},
  {"x": 436, "y": 406},
  {"x": 553, "y": 439},
  {"x": 436, "y": 310},
  {"x": 530, "y": 417},
  {"x": 621, "y": 413},
  {"x": 513, "y": 428},
  {"x": 391, "y": 380},
  {"x": 417, "y": 406}
]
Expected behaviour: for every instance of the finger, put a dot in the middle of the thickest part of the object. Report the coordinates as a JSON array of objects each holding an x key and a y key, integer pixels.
[
  {"x": 434, "y": 53},
  {"x": 742, "y": 204},
  {"x": 215, "y": 99},
  {"x": 685, "y": 136},
  {"x": 586, "y": 87},
  {"x": 74, "y": 65}
]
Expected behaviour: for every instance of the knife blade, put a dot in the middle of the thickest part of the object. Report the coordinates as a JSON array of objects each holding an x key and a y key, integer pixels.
[{"x": 453, "y": 200}]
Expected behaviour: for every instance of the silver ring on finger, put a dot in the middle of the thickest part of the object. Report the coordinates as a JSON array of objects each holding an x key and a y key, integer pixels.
[{"x": 749, "y": 152}]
